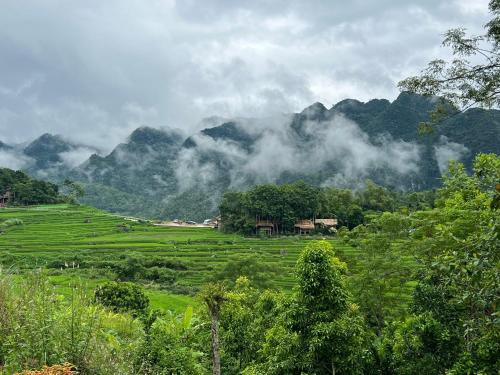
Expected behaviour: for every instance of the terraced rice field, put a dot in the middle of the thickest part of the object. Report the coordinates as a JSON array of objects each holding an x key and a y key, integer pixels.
[{"x": 67, "y": 239}]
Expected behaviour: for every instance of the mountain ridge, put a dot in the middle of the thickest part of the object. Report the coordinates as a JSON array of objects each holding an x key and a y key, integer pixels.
[{"x": 343, "y": 145}]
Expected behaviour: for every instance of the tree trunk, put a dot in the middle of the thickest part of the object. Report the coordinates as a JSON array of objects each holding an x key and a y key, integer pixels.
[{"x": 215, "y": 342}]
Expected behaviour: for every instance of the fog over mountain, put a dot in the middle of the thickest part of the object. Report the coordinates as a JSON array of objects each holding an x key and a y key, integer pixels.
[{"x": 168, "y": 173}]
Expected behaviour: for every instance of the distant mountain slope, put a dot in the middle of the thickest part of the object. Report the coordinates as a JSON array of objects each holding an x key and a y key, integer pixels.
[
  {"x": 53, "y": 157},
  {"x": 144, "y": 166},
  {"x": 162, "y": 173}
]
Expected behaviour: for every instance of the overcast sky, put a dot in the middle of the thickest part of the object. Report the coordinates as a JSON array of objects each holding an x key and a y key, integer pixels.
[{"x": 94, "y": 70}]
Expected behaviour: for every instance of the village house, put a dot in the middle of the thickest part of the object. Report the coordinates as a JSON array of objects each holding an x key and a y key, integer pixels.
[
  {"x": 264, "y": 227},
  {"x": 5, "y": 199},
  {"x": 304, "y": 226}
]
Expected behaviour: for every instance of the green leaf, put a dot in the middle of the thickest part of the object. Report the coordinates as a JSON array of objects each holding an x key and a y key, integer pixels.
[{"x": 188, "y": 315}]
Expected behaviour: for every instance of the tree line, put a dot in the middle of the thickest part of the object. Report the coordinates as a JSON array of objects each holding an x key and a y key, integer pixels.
[
  {"x": 283, "y": 205},
  {"x": 24, "y": 190}
]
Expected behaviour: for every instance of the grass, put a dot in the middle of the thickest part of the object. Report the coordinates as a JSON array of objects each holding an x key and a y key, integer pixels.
[{"x": 77, "y": 241}]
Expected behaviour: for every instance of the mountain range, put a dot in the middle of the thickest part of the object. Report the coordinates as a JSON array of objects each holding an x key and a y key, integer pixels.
[{"x": 163, "y": 173}]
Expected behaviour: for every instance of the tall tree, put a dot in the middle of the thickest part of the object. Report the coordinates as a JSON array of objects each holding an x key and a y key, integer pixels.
[
  {"x": 472, "y": 78},
  {"x": 214, "y": 295},
  {"x": 319, "y": 330}
]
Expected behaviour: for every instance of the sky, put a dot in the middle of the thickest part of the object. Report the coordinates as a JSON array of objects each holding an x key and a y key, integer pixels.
[{"x": 93, "y": 71}]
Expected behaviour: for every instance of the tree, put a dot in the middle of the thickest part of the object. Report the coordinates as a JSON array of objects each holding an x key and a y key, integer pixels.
[
  {"x": 246, "y": 316},
  {"x": 319, "y": 330},
  {"x": 459, "y": 283},
  {"x": 74, "y": 191},
  {"x": 170, "y": 346},
  {"x": 464, "y": 82},
  {"x": 122, "y": 297},
  {"x": 379, "y": 282},
  {"x": 259, "y": 273},
  {"x": 234, "y": 213},
  {"x": 214, "y": 295}
]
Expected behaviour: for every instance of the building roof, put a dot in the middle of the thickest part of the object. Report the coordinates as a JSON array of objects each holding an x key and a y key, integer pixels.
[
  {"x": 304, "y": 224},
  {"x": 327, "y": 222},
  {"x": 264, "y": 223}
]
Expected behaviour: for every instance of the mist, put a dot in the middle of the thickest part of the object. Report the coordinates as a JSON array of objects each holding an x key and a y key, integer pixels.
[
  {"x": 446, "y": 151},
  {"x": 337, "y": 145}
]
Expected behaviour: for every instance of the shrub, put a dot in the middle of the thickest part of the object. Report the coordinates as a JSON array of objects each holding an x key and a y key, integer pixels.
[
  {"x": 160, "y": 275},
  {"x": 122, "y": 297},
  {"x": 41, "y": 328},
  {"x": 11, "y": 222}
]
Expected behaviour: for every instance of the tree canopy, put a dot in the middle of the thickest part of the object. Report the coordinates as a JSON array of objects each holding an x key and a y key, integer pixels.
[{"x": 471, "y": 79}]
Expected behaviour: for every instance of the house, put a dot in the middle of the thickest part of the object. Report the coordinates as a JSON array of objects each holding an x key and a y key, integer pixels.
[
  {"x": 325, "y": 223},
  {"x": 304, "y": 226},
  {"x": 264, "y": 227},
  {"x": 5, "y": 199}
]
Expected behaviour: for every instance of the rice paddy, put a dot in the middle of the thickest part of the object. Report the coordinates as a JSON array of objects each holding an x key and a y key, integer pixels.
[{"x": 81, "y": 242}]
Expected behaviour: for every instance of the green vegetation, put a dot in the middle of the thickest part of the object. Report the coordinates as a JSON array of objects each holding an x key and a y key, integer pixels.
[
  {"x": 24, "y": 190},
  {"x": 284, "y": 205},
  {"x": 83, "y": 242},
  {"x": 470, "y": 79},
  {"x": 409, "y": 291},
  {"x": 122, "y": 297}
]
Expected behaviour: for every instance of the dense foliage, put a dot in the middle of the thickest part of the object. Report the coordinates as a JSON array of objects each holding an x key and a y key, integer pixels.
[
  {"x": 122, "y": 297},
  {"x": 379, "y": 315},
  {"x": 25, "y": 190},
  {"x": 283, "y": 205}
]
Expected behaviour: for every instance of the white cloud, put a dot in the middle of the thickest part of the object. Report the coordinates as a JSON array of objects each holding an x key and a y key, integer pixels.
[
  {"x": 337, "y": 147},
  {"x": 446, "y": 151},
  {"x": 13, "y": 159}
]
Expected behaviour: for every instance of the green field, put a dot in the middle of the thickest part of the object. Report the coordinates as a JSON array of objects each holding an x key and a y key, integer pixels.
[{"x": 78, "y": 242}]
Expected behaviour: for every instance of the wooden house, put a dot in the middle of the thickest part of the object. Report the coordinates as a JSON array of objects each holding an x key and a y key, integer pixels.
[
  {"x": 5, "y": 199},
  {"x": 264, "y": 227},
  {"x": 304, "y": 226}
]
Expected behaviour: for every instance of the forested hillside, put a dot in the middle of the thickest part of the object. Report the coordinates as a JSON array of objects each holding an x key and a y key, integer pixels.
[{"x": 161, "y": 173}]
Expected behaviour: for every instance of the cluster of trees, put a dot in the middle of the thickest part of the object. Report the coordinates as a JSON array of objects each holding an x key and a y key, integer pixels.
[
  {"x": 26, "y": 191},
  {"x": 284, "y": 204}
]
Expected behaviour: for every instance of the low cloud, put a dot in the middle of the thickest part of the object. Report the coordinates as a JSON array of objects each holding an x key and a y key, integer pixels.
[
  {"x": 14, "y": 159},
  {"x": 76, "y": 156},
  {"x": 336, "y": 151},
  {"x": 446, "y": 151}
]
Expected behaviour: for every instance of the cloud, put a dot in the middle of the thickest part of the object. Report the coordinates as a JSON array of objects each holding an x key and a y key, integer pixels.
[
  {"x": 13, "y": 159},
  {"x": 337, "y": 151},
  {"x": 93, "y": 70},
  {"x": 76, "y": 156},
  {"x": 446, "y": 151}
]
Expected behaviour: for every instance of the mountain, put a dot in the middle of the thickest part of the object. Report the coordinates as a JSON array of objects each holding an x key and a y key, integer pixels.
[
  {"x": 46, "y": 150},
  {"x": 161, "y": 173},
  {"x": 143, "y": 166},
  {"x": 52, "y": 157},
  {"x": 4, "y": 146}
]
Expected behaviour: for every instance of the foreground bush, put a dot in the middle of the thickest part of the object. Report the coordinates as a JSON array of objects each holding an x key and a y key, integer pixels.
[
  {"x": 122, "y": 297},
  {"x": 39, "y": 327}
]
